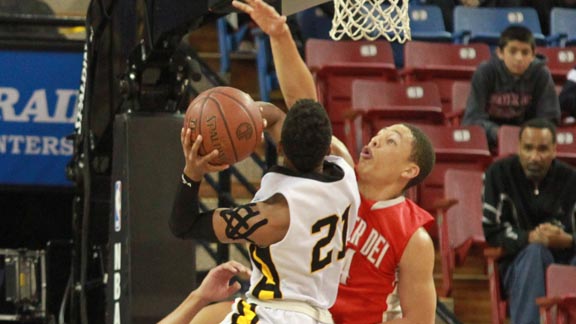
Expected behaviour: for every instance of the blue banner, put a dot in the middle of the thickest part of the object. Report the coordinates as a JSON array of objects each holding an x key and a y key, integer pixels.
[{"x": 38, "y": 93}]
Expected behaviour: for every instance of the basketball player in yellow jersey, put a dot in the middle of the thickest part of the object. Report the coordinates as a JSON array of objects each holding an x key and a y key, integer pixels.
[{"x": 299, "y": 221}]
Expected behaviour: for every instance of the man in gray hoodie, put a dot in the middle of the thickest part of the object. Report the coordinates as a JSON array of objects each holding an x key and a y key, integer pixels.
[{"x": 511, "y": 88}]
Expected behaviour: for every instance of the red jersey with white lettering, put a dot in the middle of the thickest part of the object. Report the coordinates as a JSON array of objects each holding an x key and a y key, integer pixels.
[{"x": 368, "y": 284}]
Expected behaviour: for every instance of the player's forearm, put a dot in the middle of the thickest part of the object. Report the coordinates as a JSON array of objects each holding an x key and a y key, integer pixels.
[
  {"x": 339, "y": 149},
  {"x": 185, "y": 311},
  {"x": 274, "y": 117},
  {"x": 407, "y": 321},
  {"x": 294, "y": 77},
  {"x": 186, "y": 220}
]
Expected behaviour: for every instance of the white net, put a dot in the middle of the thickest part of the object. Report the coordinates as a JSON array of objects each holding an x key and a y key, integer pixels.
[{"x": 371, "y": 19}]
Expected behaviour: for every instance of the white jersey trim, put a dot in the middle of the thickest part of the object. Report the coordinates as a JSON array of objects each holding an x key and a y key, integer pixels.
[
  {"x": 387, "y": 203},
  {"x": 321, "y": 315}
]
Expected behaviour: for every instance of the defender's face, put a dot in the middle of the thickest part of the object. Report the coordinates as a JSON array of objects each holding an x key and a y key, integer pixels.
[
  {"x": 387, "y": 154},
  {"x": 517, "y": 56},
  {"x": 536, "y": 151}
]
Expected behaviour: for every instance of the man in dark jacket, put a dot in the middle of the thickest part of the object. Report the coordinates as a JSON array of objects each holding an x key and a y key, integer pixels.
[
  {"x": 529, "y": 204},
  {"x": 511, "y": 88}
]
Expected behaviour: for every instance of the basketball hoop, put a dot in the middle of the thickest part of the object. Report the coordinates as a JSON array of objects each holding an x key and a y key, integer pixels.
[{"x": 371, "y": 19}]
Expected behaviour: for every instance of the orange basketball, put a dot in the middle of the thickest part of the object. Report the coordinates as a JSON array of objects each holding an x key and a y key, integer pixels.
[{"x": 228, "y": 120}]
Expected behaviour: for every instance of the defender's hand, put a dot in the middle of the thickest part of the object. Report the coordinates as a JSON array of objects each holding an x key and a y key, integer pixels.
[
  {"x": 216, "y": 286},
  {"x": 264, "y": 15}
]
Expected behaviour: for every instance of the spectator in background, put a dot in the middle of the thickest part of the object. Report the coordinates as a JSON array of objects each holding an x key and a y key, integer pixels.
[
  {"x": 511, "y": 88},
  {"x": 568, "y": 94},
  {"x": 529, "y": 203}
]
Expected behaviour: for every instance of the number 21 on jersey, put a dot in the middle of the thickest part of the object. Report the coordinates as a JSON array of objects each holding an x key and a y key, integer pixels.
[{"x": 320, "y": 257}]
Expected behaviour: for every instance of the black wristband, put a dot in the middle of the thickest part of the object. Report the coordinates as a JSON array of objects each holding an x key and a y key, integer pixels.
[
  {"x": 189, "y": 182},
  {"x": 186, "y": 220}
]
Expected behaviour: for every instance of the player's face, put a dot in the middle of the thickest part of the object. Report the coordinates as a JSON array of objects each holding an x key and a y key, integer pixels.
[
  {"x": 517, "y": 56},
  {"x": 387, "y": 154},
  {"x": 536, "y": 151}
]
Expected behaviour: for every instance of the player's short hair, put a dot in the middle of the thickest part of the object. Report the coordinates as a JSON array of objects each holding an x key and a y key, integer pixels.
[
  {"x": 422, "y": 154},
  {"x": 306, "y": 135},
  {"x": 516, "y": 33},
  {"x": 540, "y": 123}
]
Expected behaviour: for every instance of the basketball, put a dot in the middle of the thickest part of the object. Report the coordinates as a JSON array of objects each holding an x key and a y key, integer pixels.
[{"x": 228, "y": 120}]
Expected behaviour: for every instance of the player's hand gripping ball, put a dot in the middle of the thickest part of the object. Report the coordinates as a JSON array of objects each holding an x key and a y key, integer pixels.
[{"x": 228, "y": 120}]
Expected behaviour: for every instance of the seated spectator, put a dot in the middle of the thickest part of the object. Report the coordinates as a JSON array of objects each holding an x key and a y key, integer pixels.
[
  {"x": 511, "y": 88},
  {"x": 568, "y": 94},
  {"x": 528, "y": 206}
]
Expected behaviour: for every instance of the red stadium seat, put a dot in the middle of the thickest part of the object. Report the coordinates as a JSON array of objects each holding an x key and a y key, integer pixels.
[
  {"x": 336, "y": 64},
  {"x": 559, "y": 60},
  {"x": 460, "y": 93},
  {"x": 460, "y": 221},
  {"x": 456, "y": 148},
  {"x": 566, "y": 144},
  {"x": 498, "y": 305},
  {"x": 378, "y": 104},
  {"x": 443, "y": 63},
  {"x": 559, "y": 305},
  {"x": 507, "y": 140}
]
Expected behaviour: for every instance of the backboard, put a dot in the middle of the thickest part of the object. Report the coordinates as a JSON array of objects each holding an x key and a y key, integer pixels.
[
  {"x": 284, "y": 7},
  {"x": 288, "y": 7}
]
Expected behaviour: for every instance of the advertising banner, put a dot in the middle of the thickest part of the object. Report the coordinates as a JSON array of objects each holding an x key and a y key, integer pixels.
[{"x": 38, "y": 94}]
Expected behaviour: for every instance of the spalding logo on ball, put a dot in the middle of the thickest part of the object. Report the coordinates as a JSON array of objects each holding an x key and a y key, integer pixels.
[{"x": 228, "y": 120}]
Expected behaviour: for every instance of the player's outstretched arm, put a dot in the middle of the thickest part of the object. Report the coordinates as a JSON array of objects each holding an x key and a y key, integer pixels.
[
  {"x": 416, "y": 282},
  {"x": 339, "y": 149},
  {"x": 216, "y": 286},
  {"x": 296, "y": 81}
]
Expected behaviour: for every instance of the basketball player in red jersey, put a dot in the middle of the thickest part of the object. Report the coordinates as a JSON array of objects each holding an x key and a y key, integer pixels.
[{"x": 390, "y": 257}]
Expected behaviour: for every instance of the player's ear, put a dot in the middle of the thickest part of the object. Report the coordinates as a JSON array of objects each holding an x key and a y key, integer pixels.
[
  {"x": 411, "y": 171},
  {"x": 499, "y": 53}
]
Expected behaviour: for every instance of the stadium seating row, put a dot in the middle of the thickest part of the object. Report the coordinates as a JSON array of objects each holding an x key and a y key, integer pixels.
[{"x": 430, "y": 70}]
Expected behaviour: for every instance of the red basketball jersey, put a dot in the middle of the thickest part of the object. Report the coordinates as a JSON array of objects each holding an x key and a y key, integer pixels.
[{"x": 368, "y": 285}]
